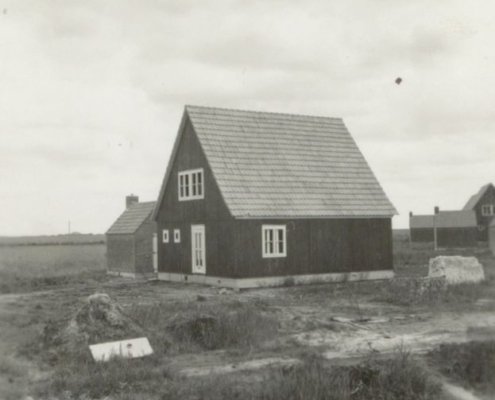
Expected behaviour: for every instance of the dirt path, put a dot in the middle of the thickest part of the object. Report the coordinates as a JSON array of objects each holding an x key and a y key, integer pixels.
[{"x": 335, "y": 329}]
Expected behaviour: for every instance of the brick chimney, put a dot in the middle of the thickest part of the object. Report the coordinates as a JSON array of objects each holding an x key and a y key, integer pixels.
[
  {"x": 130, "y": 200},
  {"x": 410, "y": 214},
  {"x": 437, "y": 209}
]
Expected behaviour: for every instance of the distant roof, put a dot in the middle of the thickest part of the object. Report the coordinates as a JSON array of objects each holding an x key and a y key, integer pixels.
[
  {"x": 132, "y": 218},
  {"x": 286, "y": 165},
  {"x": 445, "y": 219},
  {"x": 475, "y": 198}
]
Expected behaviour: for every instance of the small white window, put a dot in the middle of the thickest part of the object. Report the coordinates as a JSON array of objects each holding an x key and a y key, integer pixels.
[
  {"x": 165, "y": 236},
  {"x": 191, "y": 184},
  {"x": 176, "y": 235},
  {"x": 273, "y": 241},
  {"x": 487, "y": 210}
]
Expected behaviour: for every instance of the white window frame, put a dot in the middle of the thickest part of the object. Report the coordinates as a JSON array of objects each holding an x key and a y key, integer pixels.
[
  {"x": 189, "y": 187},
  {"x": 165, "y": 236},
  {"x": 490, "y": 208},
  {"x": 273, "y": 250},
  {"x": 176, "y": 235}
]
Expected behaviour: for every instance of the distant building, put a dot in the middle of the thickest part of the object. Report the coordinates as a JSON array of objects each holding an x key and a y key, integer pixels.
[
  {"x": 453, "y": 228},
  {"x": 130, "y": 249},
  {"x": 483, "y": 204},
  {"x": 261, "y": 199}
]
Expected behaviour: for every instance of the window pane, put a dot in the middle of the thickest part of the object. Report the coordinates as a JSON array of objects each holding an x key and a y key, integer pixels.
[
  {"x": 200, "y": 183},
  {"x": 181, "y": 185},
  {"x": 193, "y": 177},
  {"x": 186, "y": 185},
  {"x": 280, "y": 241}
]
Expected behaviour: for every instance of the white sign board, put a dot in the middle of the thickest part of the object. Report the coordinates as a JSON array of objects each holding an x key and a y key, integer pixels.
[{"x": 131, "y": 348}]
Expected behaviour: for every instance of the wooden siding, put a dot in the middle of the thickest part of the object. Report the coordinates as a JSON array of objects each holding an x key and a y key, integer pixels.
[
  {"x": 210, "y": 211},
  {"x": 446, "y": 237},
  {"x": 491, "y": 238},
  {"x": 120, "y": 253},
  {"x": 484, "y": 222},
  {"x": 316, "y": 246},
  {"x": 422, "y": 235},
  {"x": 143, "y": 245}
]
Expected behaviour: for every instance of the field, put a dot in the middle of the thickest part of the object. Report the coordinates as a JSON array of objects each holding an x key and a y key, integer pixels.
[{"x": 361, "y": 340}]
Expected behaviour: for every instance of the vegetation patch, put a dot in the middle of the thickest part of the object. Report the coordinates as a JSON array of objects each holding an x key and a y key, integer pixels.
[
  {"x": 204, "y": 326},
  {"x": 400, "y": 377},
  {"x": 428, "y": 291},
  {"x": 472, "y": 364}
]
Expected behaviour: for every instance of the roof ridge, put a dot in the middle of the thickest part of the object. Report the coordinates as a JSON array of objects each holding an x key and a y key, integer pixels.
[{"x": 187, "y": 106}]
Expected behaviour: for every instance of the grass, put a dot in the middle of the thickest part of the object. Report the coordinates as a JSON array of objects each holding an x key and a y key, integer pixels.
[
  {"x": 29, "y": 268},
  {"x": 203, "y": 326},
  {"x": 399, "y": 377},
  {"x": 472, "y": 364},
  {"x": 172, "y": 329}
]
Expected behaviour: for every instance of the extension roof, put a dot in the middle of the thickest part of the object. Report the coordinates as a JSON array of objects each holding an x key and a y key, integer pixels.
[
  {"x": 132, "y": 218},
  {"x": 445, "y": 219},
  {"x": 285, "y": 165},
  {"x": 475, "y": 198}
]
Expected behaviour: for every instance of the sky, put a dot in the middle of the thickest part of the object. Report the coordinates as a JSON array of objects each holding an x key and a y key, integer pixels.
[{"x": 92, "y": 92}]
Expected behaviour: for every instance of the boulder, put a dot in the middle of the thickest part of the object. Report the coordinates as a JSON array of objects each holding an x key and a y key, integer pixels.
[{"x": 456, "y": 269}]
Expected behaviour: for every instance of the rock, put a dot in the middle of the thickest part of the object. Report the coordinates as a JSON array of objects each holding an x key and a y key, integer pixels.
[
  {"x": 200, "y": 297},
  {"x": 224, "y": 291},
  {"x": 456, "y": 269}
]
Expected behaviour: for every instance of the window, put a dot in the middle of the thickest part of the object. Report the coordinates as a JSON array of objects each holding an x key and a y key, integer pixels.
[
  {"x": 165, "y": 236},
  {"x": 487, "y": 210},
  {"x": 191, "y": 184},
  {"x": 273, "y": 241},
  {"x": 176, "y": 235}
]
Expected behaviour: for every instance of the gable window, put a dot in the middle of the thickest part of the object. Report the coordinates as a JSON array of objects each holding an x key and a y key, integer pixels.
[
  {"x": 176, "y": 235},
  {"x": 165, "y": 236},
  {"x": 274, "y": 243},
  {"x": 191, "y": 186},
  {"x": 487, "y": 210}
]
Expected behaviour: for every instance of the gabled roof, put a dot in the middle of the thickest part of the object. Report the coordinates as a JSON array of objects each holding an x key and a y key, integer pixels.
[
  {"x": 475, "y": 198},
  {"x": 284, "y": 165},
  {"x": 445, "y": 219},
  {"x": 132, "y": 218}
]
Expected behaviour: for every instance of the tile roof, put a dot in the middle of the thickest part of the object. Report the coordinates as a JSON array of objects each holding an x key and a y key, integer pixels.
[
  {"x": 445, "y": 219},
  {"x": 475, "y": 198},
  {"x": 132, "y": 218},
  {"x": 285, "y": 165}
]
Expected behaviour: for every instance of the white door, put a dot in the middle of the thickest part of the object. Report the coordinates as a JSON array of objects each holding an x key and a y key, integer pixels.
[
  {"x": 198, "y": 249},
  {"x": 155, "y": 253}
]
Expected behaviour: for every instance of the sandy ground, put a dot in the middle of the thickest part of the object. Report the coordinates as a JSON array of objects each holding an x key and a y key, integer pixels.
[{"x": 340, "y": 329}]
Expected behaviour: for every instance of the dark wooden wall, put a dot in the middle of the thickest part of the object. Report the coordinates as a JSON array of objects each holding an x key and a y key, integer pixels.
[
  {"x": 120, "y": 253},
  {"x": 457, "y": 237},
  {"x": 422, "y": 235},
  {"x": 491, "y": 239},
  {"x": 210, "y": 211},
  {"x": 143, "y": 245},
  {"x": 484, "y": 222},
  {"x": 446, "y": 237},
  {"x": 316, "y": 246}
]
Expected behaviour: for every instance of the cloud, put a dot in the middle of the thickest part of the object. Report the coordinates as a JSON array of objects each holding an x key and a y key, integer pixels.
[{"x": 92, "y": 93}]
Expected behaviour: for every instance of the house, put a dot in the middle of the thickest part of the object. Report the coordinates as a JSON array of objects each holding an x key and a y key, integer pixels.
[
  {"x": 453, "y": 228},
  {"x": 129, "y": 240},
  {"x": 483, "y": 204},
  {"x": 255, "y": 199}
]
